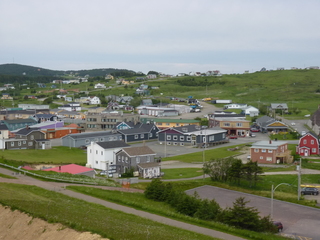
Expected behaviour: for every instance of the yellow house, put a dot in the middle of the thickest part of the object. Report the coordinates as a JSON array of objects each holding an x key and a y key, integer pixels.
[{"x": 169, "y": 123}]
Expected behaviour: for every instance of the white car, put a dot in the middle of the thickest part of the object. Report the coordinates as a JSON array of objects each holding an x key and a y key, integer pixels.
[{"x": 293, "y": 124}]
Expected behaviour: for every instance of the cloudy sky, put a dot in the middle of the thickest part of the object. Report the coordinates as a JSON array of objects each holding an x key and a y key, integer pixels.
[{"x": 168, "y": 36}]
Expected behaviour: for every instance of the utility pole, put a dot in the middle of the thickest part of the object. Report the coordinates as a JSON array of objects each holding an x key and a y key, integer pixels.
[{"x": 299, "y": 180}]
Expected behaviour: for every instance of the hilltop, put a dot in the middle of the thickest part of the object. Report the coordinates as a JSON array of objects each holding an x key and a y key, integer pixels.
[{"x": 31, "y": 71}]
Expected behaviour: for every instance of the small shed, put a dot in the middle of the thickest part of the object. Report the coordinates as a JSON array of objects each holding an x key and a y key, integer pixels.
[{"x": 149, "y": 170}]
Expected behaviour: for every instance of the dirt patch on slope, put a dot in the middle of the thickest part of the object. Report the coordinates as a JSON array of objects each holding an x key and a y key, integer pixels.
[{"x": 15, "y": 225}]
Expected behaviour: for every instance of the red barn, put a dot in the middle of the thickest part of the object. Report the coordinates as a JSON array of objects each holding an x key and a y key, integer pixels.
[{"x": 308, "y": 145}]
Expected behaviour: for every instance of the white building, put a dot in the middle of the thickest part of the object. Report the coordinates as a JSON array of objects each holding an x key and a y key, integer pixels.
[
  {"x": 252, "y": 111},
  {"x": 101, "y": 155},
  {"x": 100, "y": 85}
]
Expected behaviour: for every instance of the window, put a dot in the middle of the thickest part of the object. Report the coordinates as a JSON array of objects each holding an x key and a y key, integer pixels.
[
  {"x": 168, "y": 137},
  {"x": 24, "y": 142},
  {"x": 12, "y": 144},
  {"x": 270, "y": 151},
  {"x": 87, "y": 141},
  {"x": 30, "y": 143},
  {"x": 261, "y": 157},
  {"x": 181, "y": 144},
  {"x": 256, "y": 150},
  {"x": 126, "y": 159},
  {"x": 96, "y": 162},
  {"x": 223, "y": 135},
  {"x": 263, "y": 150},
  {"x": 175, "y": 143},
  {"x": 138, "y": 159},
  {"x": 122, "y": 158},
  {"x": 226, "y": 124},
  {"x": 168, "y": 124},
  {"x": 148, "y": 158},
  {"x": 211, "y": 138},
  {"x": 239, "y": 124},
  {"x": 19, "y": 143},
  {"x": 181, "y": 138},
  {"x": 119, "y": 158},
  {"x": 150, "y": 135},
  {"x": 101, "y": 139},
  {"x": 96, "y": 151},
  {"x": 31, "y": 137},
  {"x": 175, "y": 137},
  {"x": 269, "y": 159},
  {"x": 312, "y": 141},
  {"x": 101, "y": 153},
  {"x": 141, "y": 136},
  {"x": 136, "y": 136},
  {"x": 189, "y": 138},
  {"x": 314, "y": 150},
  {"x": 304, "y": 141}
]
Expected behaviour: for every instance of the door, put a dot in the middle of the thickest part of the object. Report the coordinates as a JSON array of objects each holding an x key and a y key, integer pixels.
[{"x": 306, "y": 152}]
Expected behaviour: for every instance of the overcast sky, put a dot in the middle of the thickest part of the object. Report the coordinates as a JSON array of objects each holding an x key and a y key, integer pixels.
[{"x": 168, "y": 36}]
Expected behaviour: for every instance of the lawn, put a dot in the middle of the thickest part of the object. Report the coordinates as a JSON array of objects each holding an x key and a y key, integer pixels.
[
  {"x": 207, "y": 154},
  {"x": 56, "y": 155},
  {"x": 82, "y": 216},
  {"x": 176, "y": 173}
]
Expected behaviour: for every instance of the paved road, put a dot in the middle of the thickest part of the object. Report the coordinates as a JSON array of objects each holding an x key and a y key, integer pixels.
[
  {"x": 53, "y": 186},
  {"x": 300, "y": 221}
]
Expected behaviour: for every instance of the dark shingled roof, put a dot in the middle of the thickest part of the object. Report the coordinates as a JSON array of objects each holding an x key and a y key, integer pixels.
[
  {"x": 112, "y": 144},
  {"x": 137, "y": 151}
]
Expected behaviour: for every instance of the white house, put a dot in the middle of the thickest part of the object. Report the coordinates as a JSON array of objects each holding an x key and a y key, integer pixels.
[
  {"x": 100, "y": 85},
  {"x": 101, "y": 155},
  {"x": 235, "y": 106},
  {"x": 73, "y": 106},
  {"x": 250, "y": 110},
  {"x": 94, "y": 100}
]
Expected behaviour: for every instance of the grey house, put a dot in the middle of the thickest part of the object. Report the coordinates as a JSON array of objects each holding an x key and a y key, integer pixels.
[
  {"x": 28, "y": 138},
  {"x": 192, "y": 135},
  {"x": 84, "y": 139},
  {"x": 128, "y": 158},
  {"x": 137, "y": 132},
  {"x": 268, "y": 124}
]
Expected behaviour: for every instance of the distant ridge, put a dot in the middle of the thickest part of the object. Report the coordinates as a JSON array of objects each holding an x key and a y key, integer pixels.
[{"x": 31, "y": 71}]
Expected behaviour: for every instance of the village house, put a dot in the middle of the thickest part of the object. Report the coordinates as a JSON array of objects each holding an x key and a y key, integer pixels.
[{"x": 270, "y": 152}]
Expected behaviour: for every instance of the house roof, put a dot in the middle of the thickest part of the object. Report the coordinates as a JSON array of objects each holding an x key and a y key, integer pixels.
[
  {"x": 315, "y": 117},
  {"x": 3, "y": 127},
  {"x": 27, "y": 131},
  {"x": 138, "y": 151},
  {"x": 279, "y": 106},
  {"x": 148, "y": 165},
  {"x": 90, "y": 134},
  {"x": 268, "y": 144},
  {"x": 71, "y": 168},
  {"x": 26, "y": 120},
  {"x": 112, "y": 144}
]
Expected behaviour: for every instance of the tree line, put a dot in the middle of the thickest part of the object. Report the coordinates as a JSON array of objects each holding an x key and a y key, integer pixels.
[
  {"x": 240, "y": 215},
  {"x": 233, "y": 170}
]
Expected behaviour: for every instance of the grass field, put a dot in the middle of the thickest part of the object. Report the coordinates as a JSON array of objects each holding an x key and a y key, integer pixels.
[
  {"x": 56, "y": 155},
  {"x": 55, "y": 207},
  {"x": 176, "y": 173},
  {"x": 208, "y": 154}
]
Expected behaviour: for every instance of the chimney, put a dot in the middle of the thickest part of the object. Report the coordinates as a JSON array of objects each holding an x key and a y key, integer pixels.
[{"x": 270, "y": 141}]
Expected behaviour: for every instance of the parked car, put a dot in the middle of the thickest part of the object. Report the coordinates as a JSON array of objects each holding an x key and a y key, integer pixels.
[
  {"x": 255, "y": 130},
  {"x": 309, "y": 191},
  {"x": 233, "y": 137},
  {"x": 278, "y": 225},
  {"x": 293, "y": 124},
  {"x": 303, "y": 133}
]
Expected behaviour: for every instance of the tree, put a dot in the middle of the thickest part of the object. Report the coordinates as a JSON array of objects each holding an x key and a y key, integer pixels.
[
  {"x": 236, "y": 171},
  {"x": 47, "y": 100},
  {"x": 251, "y": 172},
  {"x": 218, "y": 169},
  {"x": 154, "y": 190},
  {"x": 208, "y": 210},
  {"x": 241, "y": 216}
]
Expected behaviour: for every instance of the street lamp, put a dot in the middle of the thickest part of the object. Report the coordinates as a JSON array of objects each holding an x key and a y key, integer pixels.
[
  {"x": 204, "y": 140},
  {"x": 272, "y": 192}
]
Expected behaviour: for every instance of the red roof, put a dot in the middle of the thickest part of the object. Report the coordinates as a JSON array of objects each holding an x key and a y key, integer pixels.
[
  {"x": 27, "y": 168},
  {"x": 71, "y": 168}
]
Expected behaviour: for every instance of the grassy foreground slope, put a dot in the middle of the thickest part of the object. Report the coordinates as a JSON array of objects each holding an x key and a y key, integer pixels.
[{"x": 55, "y": 207}]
